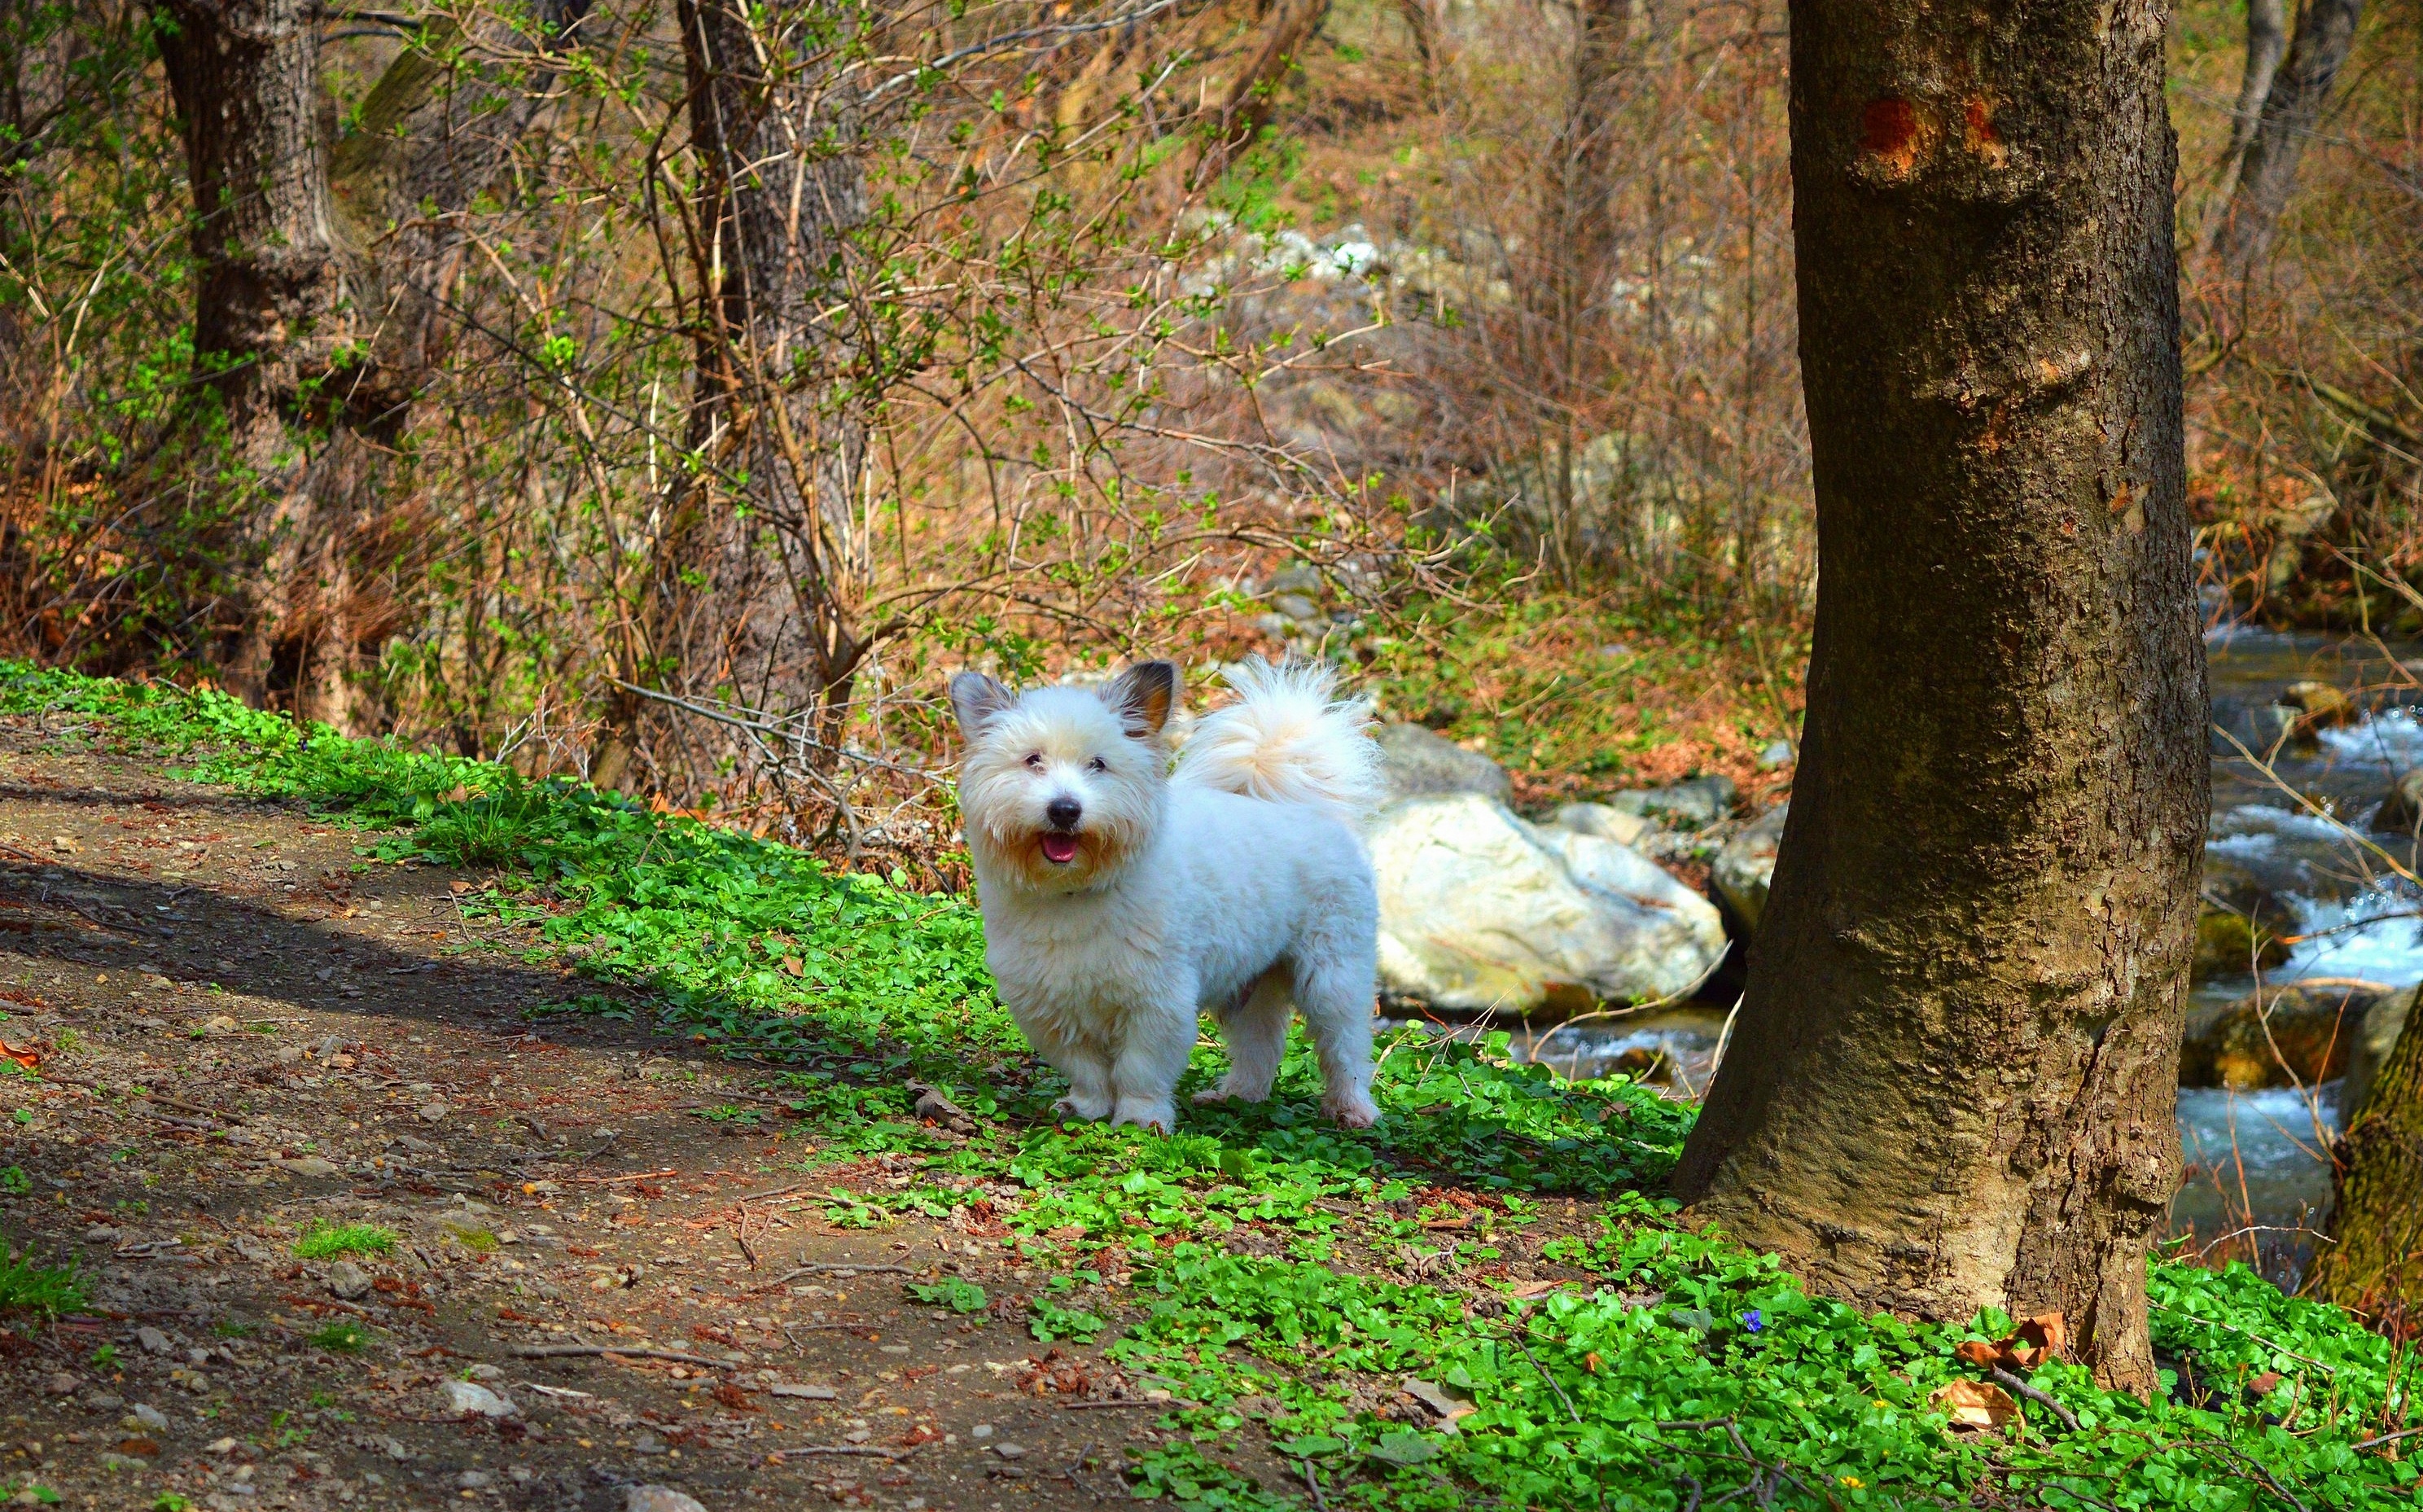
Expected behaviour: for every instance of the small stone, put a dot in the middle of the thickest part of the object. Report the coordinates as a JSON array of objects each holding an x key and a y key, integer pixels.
[
  {"x": 467, "y": 1397},
  {"x": 102, "y": 1401},
  {"x": 101, "y": 1234},
  {"x": 143, "y": 1414},
  {"x": 647, "y": 1443},
  {"x": 433, "y": 1111},
  {"x": 474, "y": 1480},
  {"x": 310, "y": 1165},
  {"x": 659, "y": 1499},
  {"x": 1776, "y": 755},
  {"x": 982, "y": 1430},
  {"x": 60, "y": 1383},
  {"x": 153, "y": 1340},
  {"x": 812, "y": 1393},
  {"x": 485, "y": 1372},
  {"x": 220, "y": 1023},
  {"x": 347, "y": 1281},
  {"x": 1010, "y": 1451},
  {"x": 220, "y": 1446}
]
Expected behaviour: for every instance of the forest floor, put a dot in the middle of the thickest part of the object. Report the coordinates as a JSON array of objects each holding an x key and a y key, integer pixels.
[
  {"x": 248, "y": 1038},
  {"x": 339, "y": 1081}
]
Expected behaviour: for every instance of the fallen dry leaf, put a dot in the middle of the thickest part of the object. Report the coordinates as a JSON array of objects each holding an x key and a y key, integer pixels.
[{"x": 1974, "y": 1403}]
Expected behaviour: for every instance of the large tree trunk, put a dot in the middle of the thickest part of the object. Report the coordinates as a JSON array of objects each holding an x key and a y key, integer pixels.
[
  {"x": 269, "y": 307},
  {"x": 2292, "y": 111},
  {"x": 752, "y": 598},
  {"x": 1953, "y": 1077},
  {"x": 2374, "y": 1263}
]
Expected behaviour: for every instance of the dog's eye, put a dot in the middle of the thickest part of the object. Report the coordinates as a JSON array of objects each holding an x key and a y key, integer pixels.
[
  {"x": 1097, "y": 764},
  {"x": 1035, "y": 760}
]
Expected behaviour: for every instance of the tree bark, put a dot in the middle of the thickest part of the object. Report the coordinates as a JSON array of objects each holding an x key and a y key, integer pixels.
[
  {"x": 2374, "y": 1263},
  {"x": 1953, "y": 1077},
  {"x": 2292, "y": 111},
  {"x": 269, "y": 307},
  {"x": 752, "y": 595}
]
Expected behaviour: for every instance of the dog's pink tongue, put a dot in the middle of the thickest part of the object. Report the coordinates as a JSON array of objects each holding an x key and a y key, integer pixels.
[{"x": 1060, "y": 848}]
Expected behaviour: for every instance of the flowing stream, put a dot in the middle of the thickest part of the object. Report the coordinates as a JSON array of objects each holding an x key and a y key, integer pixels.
[{"x": 2253, "y": 1158}]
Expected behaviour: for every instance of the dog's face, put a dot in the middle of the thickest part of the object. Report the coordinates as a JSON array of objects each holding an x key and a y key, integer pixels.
[{"x": 1061, "y": 786}]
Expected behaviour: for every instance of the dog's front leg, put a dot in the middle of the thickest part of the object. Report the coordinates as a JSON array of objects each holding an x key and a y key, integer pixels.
[
  {"x": 1159, "y": 1038},
  {"x": 1085, "y": 1064}
]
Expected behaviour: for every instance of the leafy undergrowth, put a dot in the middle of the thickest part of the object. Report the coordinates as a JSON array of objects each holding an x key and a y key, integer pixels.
[{"x": 1285, "y": 1281}]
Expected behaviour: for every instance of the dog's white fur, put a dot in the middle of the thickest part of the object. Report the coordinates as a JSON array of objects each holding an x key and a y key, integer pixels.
[{"x": 1236, "y": 882}]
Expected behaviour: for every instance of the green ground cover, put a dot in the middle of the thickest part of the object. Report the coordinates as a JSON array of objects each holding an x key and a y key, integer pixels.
[{"x": 1282, "y": 1279}]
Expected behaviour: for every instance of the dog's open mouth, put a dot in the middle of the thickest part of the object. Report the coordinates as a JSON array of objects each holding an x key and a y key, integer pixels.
[{"x": 1059, "y": 848}]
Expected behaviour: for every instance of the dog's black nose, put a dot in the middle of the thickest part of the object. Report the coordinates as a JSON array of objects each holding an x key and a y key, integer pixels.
[{"x": 1063, "y": 813}]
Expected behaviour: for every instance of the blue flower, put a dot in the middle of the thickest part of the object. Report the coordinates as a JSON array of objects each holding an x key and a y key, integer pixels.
[{"x": 1752, "y": 1320}]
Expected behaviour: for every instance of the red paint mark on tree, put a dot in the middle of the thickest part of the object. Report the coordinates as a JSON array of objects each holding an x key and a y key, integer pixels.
[
  {"x": 1895, "y": 134},
  {"x": 1889, "y": 126},
  {"x": 1978, "y": 134}
]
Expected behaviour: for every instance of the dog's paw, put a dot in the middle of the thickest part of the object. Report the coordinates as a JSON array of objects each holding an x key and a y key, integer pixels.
[
  {"x": 1214, "y": 1095},
  {"x": 1085, "y": 1109},
  {"x": 1159, "y": 1117},
  {"x": 1350, "y": 1112}
]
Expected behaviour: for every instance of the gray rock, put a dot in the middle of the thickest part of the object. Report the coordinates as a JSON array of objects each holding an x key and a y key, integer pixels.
[
  {"x": 1295, "y": 577},
  {"x": 659, "y": 1499},
  {"x": 2375, "y": 1037},
  {"x": 1779, "y": 754},
  {"x": 1698, "y": 802},
  {"x": 2301, "y": 1034},
  {"x": 153, "y": 1340},
  {"x": 148, "y": 1416},
  {"x": 468, "y": 1397},
  {"x": 1746, "y": 866},
  {"x": 1419, "y": 763},
  {"x": 1296, "y": 607},
  {"x": 2401, "y": 807},
  {"x": 1480, "y": 910},
  {"x": 474, "y": 1480},
  {"x": 347, "y": 1281},
  {"x": 1606, "y": 822}
]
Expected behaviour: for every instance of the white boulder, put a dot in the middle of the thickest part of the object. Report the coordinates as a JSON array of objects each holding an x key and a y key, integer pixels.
[{"x": 1481, "y": 910}]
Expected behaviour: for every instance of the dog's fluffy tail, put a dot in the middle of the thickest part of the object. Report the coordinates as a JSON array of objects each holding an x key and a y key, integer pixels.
[{"x": 1288, "y": 739}]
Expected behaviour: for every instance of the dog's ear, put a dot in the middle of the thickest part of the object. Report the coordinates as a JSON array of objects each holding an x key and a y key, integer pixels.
[
  {"x": 977, "y": 699},
  {"x": 1142, "y": 696}
]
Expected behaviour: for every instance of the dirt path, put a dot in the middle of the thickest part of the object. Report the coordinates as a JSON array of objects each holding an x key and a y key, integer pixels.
[{"x": 246, "y": 1032}]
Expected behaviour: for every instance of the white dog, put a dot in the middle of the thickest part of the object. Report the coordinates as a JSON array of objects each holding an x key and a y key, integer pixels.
[{"x": 1121, "y": 899}]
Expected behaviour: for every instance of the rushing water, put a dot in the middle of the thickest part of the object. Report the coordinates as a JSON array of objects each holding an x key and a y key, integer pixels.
[{"x": 2253, "y": 1157}]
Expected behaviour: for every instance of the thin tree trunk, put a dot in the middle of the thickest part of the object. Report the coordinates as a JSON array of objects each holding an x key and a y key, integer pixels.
[
  {"x": 1953, "y": 1077},
  {"x": 1287, "y": 26},
  {"x": 2292, "y": 111},
  {"x": 2374, "y": 1263},
  {"x": 2267, "y": 40},
  {"x": 753, "y": 603},
  {"x": 269, "y": 307},
  {"x": 429, "y": 139}
]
